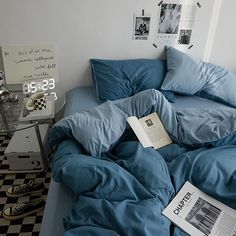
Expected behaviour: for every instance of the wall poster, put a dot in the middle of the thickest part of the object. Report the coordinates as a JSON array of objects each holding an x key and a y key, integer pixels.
[{"x": 175, "y": 23}]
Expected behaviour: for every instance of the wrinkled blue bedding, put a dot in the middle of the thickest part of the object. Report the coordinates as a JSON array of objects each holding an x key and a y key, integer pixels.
[{"x": 122, "y": 187}]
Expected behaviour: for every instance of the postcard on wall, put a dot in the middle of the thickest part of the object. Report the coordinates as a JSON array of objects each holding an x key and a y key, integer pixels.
[
  {"x": 141, "y": 27},
  {"x": 175, "y": 22}
]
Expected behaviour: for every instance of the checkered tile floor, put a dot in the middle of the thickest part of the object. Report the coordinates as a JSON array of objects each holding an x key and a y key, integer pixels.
[{"x": 30, "y": 225}]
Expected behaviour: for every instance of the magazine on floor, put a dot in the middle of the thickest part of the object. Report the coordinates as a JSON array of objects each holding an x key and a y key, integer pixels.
[
  {"x": 199, "y": 214},
  {"x": 150, "y": 130}
]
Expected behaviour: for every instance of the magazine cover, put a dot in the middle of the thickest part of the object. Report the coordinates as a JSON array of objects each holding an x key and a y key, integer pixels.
[{"x": 199, "y": 214}]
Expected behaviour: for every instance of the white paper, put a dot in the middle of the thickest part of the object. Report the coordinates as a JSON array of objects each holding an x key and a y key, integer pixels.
[
  {"x": 24, "y": 62},
  {"x": 199, "y": 214}
]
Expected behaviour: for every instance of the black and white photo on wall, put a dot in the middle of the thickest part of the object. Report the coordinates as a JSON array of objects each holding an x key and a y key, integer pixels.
[
  {"x": 169, "y": 18},
  {"x": 184, "y": 36},
  {"x": 141, "y": 27}
]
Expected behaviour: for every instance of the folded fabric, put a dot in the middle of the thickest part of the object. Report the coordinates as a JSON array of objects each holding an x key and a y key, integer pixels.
[
  {"x": 96, "y": 129},
  {"x": 116, "y": 79},
  {"x": 210, "y": 169},
  {"x": 187, "y": 75},
  {"x": 136, "y": 186}
]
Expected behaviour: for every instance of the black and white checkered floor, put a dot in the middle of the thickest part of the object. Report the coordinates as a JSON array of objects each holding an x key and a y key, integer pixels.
[{"x": 30, "y": 225}]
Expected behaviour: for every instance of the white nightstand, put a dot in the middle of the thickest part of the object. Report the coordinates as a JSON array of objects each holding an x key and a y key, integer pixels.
[{"x": 23, "y": 152}]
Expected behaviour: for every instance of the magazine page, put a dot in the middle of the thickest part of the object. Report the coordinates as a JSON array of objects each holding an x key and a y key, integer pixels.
[
  {"x": 139, "y": 131},
  {"x": 155, "y": 130},
  {"x": 199, "y": 214}
]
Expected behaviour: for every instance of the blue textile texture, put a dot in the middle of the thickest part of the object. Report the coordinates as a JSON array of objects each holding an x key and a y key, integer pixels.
[
  {"x": 116, "y": 79},
  {"x": 188, "y": 75},
  {"x": 122, "y": 187},
  {"x": 100, "y": 128}
]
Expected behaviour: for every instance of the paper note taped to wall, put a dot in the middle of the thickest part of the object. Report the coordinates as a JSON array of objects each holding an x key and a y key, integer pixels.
[{"x": 29, "y": 62}]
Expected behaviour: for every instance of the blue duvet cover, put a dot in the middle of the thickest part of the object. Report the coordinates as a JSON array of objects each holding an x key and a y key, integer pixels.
[{"x": 122, "y": 187}]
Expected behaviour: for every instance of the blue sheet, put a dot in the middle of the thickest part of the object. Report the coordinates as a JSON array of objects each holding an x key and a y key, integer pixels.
[{"x": 124, "y": 190}]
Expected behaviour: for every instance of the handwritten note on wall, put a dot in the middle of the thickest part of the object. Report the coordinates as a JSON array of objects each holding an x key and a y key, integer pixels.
[{"x": 23, "y": 63}]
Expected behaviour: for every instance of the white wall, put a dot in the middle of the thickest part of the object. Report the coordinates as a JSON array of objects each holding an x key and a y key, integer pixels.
[
  {"x": 84, "y": 29},
  {"x": 223, "y": 50}
]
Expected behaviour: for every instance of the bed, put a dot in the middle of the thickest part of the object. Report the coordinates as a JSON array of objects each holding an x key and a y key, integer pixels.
[{"x": 89, "y": 212}]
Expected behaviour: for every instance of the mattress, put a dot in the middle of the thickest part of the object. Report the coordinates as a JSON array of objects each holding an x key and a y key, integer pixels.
[
  {"x": 59, "y": 203},
  {"x": 60, "y": 198}
]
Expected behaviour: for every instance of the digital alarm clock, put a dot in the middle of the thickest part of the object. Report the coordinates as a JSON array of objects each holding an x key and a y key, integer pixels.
[{"x": 44, "y": 84}]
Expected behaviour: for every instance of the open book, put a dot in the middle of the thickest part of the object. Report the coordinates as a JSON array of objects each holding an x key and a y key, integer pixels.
[
  {"x": 150, "y": 130},
  {"x": 199, "y": 214}
]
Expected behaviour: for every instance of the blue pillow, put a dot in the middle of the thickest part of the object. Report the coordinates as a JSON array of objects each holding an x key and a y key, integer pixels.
[
  {"x": 189, "y": 76},
  {"x": 116, "y": 79}
]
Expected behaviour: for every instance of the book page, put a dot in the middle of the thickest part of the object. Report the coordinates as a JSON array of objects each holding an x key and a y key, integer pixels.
[
  {"x": 139, "y": 132},
  {"x": 199, "y": 214},
  {"x": 155, "y": 130}
]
